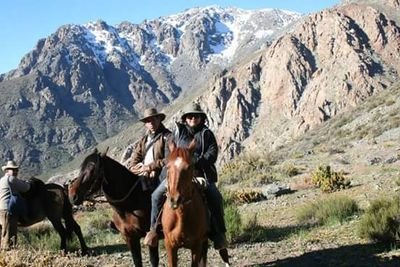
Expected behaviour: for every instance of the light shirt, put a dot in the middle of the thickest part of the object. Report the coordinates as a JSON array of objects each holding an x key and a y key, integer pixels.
[{"x": 149, "y": 157}]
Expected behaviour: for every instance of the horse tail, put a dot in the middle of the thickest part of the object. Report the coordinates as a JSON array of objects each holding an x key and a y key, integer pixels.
[{"x": 67, "y": 215}]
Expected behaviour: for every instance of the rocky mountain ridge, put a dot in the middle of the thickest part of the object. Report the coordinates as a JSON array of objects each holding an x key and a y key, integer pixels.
[
  {"x": 85, "y": 83},
  {"x": 326, "y": 64}
]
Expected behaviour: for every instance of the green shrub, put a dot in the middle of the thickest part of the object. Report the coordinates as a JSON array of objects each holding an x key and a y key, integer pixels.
[
  {"x": 252, "y": 170},
  {"x": 290, "y": 170},
  {"x": 330, "y": 210},
  {"x": 233, "y": 222},
  {"x": 381, "y": 221},
  {"x": 42, "y": 237},
  {"x": 237, "y": 229},
  {"x": 253, "y": 231},
  {"x": 328, "y": 180}
]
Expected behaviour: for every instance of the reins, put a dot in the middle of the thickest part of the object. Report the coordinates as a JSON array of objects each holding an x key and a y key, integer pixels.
[{"x": 124, "y": 198}]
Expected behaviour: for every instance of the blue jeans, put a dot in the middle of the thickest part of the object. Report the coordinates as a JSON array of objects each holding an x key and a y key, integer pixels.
[{"x": 157, "y": 200}]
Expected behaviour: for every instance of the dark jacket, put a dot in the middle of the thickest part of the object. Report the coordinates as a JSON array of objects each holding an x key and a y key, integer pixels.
[
  {"x": 206, "y": 152},
  {"x": 160, "y": 150}
]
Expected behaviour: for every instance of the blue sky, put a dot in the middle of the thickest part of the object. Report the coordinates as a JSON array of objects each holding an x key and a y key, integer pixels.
[{"x": 24, "y": 22}]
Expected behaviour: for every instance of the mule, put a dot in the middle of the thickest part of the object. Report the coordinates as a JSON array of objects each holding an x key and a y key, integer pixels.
[
  {"x": 51, "y": 201},
  {"x": 123, "y": 191},
  {"x": 185, "y": 214}
]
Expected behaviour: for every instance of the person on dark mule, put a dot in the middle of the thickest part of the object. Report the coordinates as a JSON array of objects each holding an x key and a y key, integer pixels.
[
  {"x": 10, "y": 188},
  {"x": 147, "y": 157},
  {"x": 193, "y": 126}
]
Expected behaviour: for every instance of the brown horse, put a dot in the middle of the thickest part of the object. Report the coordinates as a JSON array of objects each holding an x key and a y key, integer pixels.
[
  {"x": 124, "y": 193},
  {"x": 185, "y": 215},
  {"x": 51, "y": 201}
]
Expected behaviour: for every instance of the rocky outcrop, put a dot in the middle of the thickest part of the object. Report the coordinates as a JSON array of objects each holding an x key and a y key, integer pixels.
[{"x": 331, "y": 62}]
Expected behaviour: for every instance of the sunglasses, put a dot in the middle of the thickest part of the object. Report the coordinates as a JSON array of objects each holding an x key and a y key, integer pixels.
[{"x": 193, "y": 116}]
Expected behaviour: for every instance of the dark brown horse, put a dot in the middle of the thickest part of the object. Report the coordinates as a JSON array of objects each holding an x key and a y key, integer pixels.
[
  {"x": 51, "y": 201},
  {"x": 124, "y": 193},
  {"x": 185, "y": 215}
]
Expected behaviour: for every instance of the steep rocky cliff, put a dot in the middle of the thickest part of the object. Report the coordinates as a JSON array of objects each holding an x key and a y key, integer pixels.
[{"x": 333, "y": 60}]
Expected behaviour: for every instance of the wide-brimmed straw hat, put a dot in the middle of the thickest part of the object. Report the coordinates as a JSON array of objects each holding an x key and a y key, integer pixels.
[
  {"x": 10, "y": 165},
  {"x": 152, "y": 112},
  {"x": 194, "y": 108}
]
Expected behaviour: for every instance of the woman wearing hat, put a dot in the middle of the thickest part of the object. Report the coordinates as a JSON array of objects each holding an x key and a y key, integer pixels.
[
  {"x": 192, "y": 126},
  {"x": 9, "y": 184}
]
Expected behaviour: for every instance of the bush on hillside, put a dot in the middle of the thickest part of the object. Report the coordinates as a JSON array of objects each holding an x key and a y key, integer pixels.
[
  {"x": 233, "y": 222},
  {"x": 330, "y": 210},
  {"x": 245, "y": 196},
  {"x": 252, "y": 170},
  {"x": 381, "y": 221},
  {"x": 328, "y": 180},
  {"x": 237, "y": 229}
]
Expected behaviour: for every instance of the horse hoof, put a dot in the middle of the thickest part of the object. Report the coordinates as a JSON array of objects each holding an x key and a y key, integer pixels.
[{"x": 85, "y": 252}]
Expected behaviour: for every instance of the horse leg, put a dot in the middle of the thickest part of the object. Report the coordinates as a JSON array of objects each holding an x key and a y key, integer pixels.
[
  {"x": 172, "y": 253},
  {"x": 77, "y": 229},
  {"x": 62, "y": 232},
  {"x": 134, "y": 246},
  {"x": 154, "y": 256},
  {"x": 197, "y": 255},
  {"x": 203, "y": 258},
  {"x": 225, "y": 256}
]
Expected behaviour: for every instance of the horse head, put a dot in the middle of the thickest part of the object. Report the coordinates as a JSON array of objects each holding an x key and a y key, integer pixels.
[
  {"x": 180, "y": 174},
  {"x": 89, "y": 179}
]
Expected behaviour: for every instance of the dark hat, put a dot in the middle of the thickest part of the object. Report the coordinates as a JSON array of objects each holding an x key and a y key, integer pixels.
[
  {"x": 194, "y": 108},
  {"x": 10, "y": 165},
  {"x": 152, "y": 112}
]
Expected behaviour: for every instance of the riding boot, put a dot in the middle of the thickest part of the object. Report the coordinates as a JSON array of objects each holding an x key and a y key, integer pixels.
[{"x": 151, "y": 238}]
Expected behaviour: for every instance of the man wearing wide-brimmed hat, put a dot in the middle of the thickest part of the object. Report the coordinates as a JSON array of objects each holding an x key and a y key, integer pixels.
[
  {"x": 10, "y": 184},
  {"x": 149, "y": 155}
]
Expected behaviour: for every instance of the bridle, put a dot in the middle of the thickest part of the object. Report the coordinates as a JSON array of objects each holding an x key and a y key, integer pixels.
[
  {"x": 98, "y": 174},
  {"x": 182, "y": 200}
]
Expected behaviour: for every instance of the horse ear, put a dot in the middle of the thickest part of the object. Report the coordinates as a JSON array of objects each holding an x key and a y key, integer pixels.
[
  {"x": 103, "y": 154},
  {"x": 171, "y": 145},
  {"x": 95, "y": 151},
  {"x": 192, "y": 146}
]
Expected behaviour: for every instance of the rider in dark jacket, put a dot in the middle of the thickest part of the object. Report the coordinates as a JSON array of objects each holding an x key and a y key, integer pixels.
[{"x": 204, "y": 158}]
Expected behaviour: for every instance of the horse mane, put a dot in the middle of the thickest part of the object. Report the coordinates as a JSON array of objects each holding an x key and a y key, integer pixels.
[
  {"x": 115, "y": 164},
  {"x": 179, "y": 152}
]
